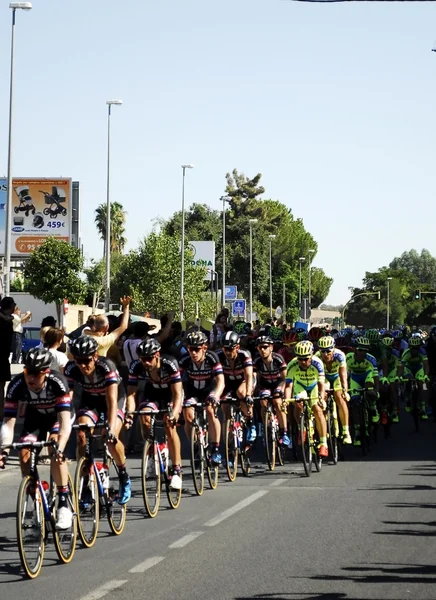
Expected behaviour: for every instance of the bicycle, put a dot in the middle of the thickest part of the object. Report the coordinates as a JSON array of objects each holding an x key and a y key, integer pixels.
[
  {"x": 154, "y": 465},
  {"x": 36, "y": 510},
  {"x": 413, "y": 397},
  {"x": 359, "y": 412},
  {"x": 94, "y": 489},
  {"x": 309, "y": 437},
  {"x": 237, "y": 448},
  {"x": 200, "y": 453},
  {"x": 333, "y": 436},
  {"x": 273, "y": 450}
]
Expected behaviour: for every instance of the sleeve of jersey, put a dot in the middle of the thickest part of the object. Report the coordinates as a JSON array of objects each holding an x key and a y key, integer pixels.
[
  {"x": 11, "y": 400},
  {"x": 63, "y": 401},
  {"x": 290, "y": 373},
  {"x": 319, "y": 367},
  {"x": 373, "y": 362},
  {"x": 175, "y": 376},
  {"x": 133, "y": 373},
  {"x": 283, "y": 366},
  {"x": 69, "y": 373},
  {"x": 248, "y": 361},
  {"x": 217, "y": 368}
]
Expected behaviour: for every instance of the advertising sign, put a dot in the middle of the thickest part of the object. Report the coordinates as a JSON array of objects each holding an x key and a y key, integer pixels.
[
  {"x": 204, "y": 256},
  {"x": 231, "y": 292},
  {"x": 41, "y": 208}
]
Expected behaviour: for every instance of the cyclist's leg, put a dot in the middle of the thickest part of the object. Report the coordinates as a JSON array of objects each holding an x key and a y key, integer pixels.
[
  {"x": 59, "y": 472},
  {"x": 247, "y": 411},
  {"x": 320, "y": 422},
  {"x": 356, "y": 383},
  {"x": 372, "y": 397},
  {"x": 34, "y": 429},
  {"x": 341, "y": 403},
  {"x": 420, "y": 378}
]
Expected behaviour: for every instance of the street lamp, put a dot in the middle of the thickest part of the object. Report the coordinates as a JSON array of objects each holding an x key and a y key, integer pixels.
[
  {"x": 271, "y": 238},
  {"x": 8, "y": 226},
  {"x": 387, "y": 302},
  {"x": 224, "y": 199},
  {"x": 251, "y": 222},
  {"x": 182, "y": 253},
  {"x": 109, "y": 103},
  {"x": 311, "y": 252},
  {"x": 301, "y": 259}
]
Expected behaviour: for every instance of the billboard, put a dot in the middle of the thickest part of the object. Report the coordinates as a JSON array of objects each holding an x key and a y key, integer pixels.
[
  {"x": 204, "y": 256},
  {"x": 40, "y": 208}
]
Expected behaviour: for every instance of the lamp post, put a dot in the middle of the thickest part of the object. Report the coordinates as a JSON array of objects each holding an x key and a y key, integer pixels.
[
  {"x": 311, "y": 252},
  {"x": 301, "y": 259},
  {"x": 182, "y": 253},
  {"x": 224, "y": 199},
  {"x": 271, "y": 238},
  {"x": 251, "y": 222},
  {"x": 387, "y": 302},
  {"x": 8, "y": 225},
  {"x": 109, "y": 103}
]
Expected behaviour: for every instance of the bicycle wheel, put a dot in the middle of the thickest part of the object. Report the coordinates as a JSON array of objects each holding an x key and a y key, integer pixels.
[
  {"x": 197, "y": 462},
  {"x": 65, "y": 539},
  {"x": 270, "y": 441},
  {"x": 317, "y": 459},
  {"x": 87, "y": 501},
  {"x": 116, "y": 513},
  {"x": 212, "y": 470},
  {"x": 30, "y": 527},
  {"x": 151, "y": 480},
  {"x": 244, "y": 452},
  {"x": 174, "y": 496},
  {"x": 364, "y": 429},
  {"x": 331, "y": 438},
  {"x": 306, "y": 447},
  {"x": 231, "y": 449},
  {"x": 415, "y": 408}
]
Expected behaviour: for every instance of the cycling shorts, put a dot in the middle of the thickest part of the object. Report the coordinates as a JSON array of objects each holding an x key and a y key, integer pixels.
[
  {"x": 194, "y": 396},
  {"x": 333, "y": 381},
  {"x": 414, "y": 371},
  {"x": 361, "y": 380},
  {"x": 160, "y": 398},
  {"x": 38, "y": 425},
  {"x": 311, "y": 390},
  {"x": 95, "y": 406}
]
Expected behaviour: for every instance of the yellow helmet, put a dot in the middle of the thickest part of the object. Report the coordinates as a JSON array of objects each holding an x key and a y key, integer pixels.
[
  {"x": 363, "y": 342},
  {"x": 326, "y": 343},
  {"x": 415, "y": 341},
  {"x": 387, "y": 342},
  {"x": 304, "y": 349}
]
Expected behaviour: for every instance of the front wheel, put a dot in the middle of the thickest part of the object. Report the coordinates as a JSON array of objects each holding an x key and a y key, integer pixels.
[
  {"x": 65, "y": 539},
  {"x": 270, "y": 439},
  {"x": 212, "y": 470},
  {"x": 30, "y": 527},
  {"x": 87, "y": 501},
  {"x": 332, "y": 439},
  {"x": 231, "y": 449},
  {"x": 197, "y": 461},
  {"x": 116, "y": 513},
  {"x": 306, "y": 446},
  {"x": 151, "y": 480}
]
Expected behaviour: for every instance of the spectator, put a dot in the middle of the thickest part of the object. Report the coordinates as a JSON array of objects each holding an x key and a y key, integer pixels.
[
  {"x": 48, "y": 322},
  {"x": 140, "y": 330},
  {"x": 17, "y": 336},
  {"x": 54, "y": 338},
  {"x": 101, "y": 328},
  {"x": 42, "y": 333},
  {"x": 7, "y": 307},
  {"x": 81, "y": 330}
]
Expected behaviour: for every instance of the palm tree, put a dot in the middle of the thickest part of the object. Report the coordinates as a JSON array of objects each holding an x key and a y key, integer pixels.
[{"x": 118, "y": 221}]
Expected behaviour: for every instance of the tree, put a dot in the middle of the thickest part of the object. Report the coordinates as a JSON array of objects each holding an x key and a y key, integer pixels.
[
  {"x": 118, "y": 222},
  {"x": 52, "y": 273},
  {"x": 151, "y": 275},
  {"x": 96, "y": 278}
]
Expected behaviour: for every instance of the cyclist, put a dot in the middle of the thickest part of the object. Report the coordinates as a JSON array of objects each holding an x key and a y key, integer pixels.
[
  {"x": 390, "y": 375},
  {"x": 363, "y": 373},
  {"x": 48, "y": 412},
  {"x": 335, "y": 369},
  {"x": 306, "y": 373},
  {"x": 270, "y": 368},
  {"x": 203, "y": 382},
  {"x": 98, "y": 384},
  {"x": 238, "y": 376},
  {"x": 162, "y": 388},
  {"x": 415, "y": 363}
]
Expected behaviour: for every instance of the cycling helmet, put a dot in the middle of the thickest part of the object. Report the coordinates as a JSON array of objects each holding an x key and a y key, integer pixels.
[
  {"x": 398, "y": 335},
  {"x": 363, "y": 342},
  {"x": 148, "y": 348},
  {"x": 85, "y": 345},
  {"x": 326, "y": 343},
  {"x": 264, "y": 339},
  {"x": 196, "y": 339},
  {"x": 38, "y": 359},
  {"x": 387, "y": 342},
  {"x": 341, "y": 342},
  {"x": 230, "y": 339},
  {"x": 415, "y": 341},
  {"x": 304, "y": 349},
  {"x": 290, "y": 337},
  {"x": 373, "y": 335},
  {"x": 315, "y": 334}
]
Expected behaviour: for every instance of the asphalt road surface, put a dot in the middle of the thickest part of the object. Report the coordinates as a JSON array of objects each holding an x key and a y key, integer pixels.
[{"x": 362, "y": 529}]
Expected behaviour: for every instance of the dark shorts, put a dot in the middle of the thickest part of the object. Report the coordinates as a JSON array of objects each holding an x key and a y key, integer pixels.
[
  {"x": 155, "y": 398},
  {"x": 195, "y": 396},
  {"x": 38, "y": 425},
  {"x": 232, "y": 387},
  {"x": 95, "y": 407},
  {"x": 5, "y": 368}
]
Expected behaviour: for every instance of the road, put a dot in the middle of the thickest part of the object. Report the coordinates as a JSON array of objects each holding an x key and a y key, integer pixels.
[{"x": 363, "y": 529}]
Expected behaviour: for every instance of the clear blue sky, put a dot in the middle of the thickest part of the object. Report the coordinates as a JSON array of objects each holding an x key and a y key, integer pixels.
[{"x": 333, "y": 103}]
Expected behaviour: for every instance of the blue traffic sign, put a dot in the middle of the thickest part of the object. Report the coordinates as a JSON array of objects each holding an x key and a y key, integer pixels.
[
  {"x": 231, "y": 292},
  {"x": 238, "y": 308}
]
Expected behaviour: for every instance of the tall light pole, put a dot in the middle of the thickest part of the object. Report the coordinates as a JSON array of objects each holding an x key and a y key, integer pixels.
[
  {"x": 271, "y": 238},
  {"x": 224, "y": 199},
  {"x": 8, "y": 225},
  {"x": 182, "y": 252},
  {"x": 251, "y": 222},
  {"x": 109, "y": 103},
  {"x": 387, "y": 303},
  {"x": 311, "y": 252},
  {"x": 301, "y": 259}
]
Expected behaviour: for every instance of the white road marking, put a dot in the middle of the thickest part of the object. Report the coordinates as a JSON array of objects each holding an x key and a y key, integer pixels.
[
  {"x": 147, "y": 564},
  {"x": 234, "y": 509},
  {"x": 184, "y": 541},
  {"x": 278, "y": 482},
  {"x": 105, "y": 589}
]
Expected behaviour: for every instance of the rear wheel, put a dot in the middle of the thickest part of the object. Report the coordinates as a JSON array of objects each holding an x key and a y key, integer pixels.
[
  {"x": 317, "y": 459},
  {"x": 212, "y": 470},
  {"x": 30, "y": 527},
  {"x": 306, "y": 446},
  {"x": 151, "y": 480},
  {"x": 87, "y": 501},
  {"x": 332, "y": 439},
  {"x": 65, "y": 539},
  {"x": 231, "y": 449},
  {"x": 270, "y": 441},
  {"x": 197, "y": 462}
]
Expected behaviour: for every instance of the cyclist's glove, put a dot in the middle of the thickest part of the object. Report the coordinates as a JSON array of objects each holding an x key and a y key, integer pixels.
[{"x": 249, "y": 400}]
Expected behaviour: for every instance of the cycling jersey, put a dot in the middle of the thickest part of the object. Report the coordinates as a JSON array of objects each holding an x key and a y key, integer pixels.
[
  {"x": 362, "y": 372},
  {"x": 332, "y": 368},
  {"x": 306, "y": 379},
  {"x": 271, "y": 374},
  {"x": 200, "y": 381},
  {"x": 240, "y": 363},
  {"x": 413, "y": 365},
  {"x": 155, "y": 394},
  {"x": 53, "y": 398}
]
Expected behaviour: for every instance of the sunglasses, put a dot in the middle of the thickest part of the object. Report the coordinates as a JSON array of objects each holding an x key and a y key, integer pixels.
[
  {"x": 195, "y": 348},
  {"x": 35, "y": 372},
  {"x": 326, "y": 351},
  {"x": 147, "y": 359},
  {"x": 303, "y": 359},
  {"x": 264, "y": 347},
  {"x": 85, "y": 360},
  {"x": 227, "y": 349}
]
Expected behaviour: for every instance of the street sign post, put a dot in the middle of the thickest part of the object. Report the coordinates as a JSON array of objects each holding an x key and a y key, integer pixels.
[
  {"x": 231, "y": 293},
  {"x": 238, "y": 308}
]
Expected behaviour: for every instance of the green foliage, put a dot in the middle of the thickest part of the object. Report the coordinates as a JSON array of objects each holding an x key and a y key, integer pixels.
[
  {"x": 96, "y": 278},
  {"x": 52, "y": 273},
  {"x": 118, "y": 222}
]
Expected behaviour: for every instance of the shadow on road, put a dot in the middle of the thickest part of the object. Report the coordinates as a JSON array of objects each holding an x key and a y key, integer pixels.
[{"x": 301, "y": 596}]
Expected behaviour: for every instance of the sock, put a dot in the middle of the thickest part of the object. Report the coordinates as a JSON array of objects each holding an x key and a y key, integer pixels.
[
  {"x": 345, "y": 428},
  {"x": 62, "y": 495},
  {"x": 323, "y": 441}
]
